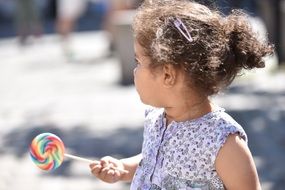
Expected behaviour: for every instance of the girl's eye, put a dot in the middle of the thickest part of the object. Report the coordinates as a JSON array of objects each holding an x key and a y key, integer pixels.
[{"x": 137, "y": 62}]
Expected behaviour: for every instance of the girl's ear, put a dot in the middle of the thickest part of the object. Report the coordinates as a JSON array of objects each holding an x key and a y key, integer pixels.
[{"x": 169, "y": 74}]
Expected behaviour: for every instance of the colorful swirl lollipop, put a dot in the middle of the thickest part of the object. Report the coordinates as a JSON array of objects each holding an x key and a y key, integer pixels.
[{"x": 47, "y": 152}]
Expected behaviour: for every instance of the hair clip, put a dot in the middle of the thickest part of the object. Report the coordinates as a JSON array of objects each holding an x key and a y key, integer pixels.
[{"x": 180, "y": 26}]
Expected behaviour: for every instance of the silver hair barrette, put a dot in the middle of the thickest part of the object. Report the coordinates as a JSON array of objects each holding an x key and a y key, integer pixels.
[{"x": 182, "y": 29}]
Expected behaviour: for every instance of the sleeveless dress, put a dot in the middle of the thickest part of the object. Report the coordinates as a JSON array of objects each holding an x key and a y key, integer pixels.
[{"x": 181, "y": 156}]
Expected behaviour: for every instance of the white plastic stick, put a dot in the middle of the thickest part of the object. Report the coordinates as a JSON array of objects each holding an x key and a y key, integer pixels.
[
  {"x": 92, "y": 161},
  {"x": 78, "y": 158}
]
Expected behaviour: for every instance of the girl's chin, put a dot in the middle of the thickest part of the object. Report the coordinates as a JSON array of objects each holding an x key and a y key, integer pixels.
[
  {"x": 151, "y": 104},
  {"x": 146, "y": 102}
]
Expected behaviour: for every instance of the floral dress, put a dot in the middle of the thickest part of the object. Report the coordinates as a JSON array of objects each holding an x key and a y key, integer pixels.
[{"x": 181, "y": 156}]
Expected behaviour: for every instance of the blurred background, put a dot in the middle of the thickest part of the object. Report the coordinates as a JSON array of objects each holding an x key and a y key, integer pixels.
[{"x": 66, "y": 68}]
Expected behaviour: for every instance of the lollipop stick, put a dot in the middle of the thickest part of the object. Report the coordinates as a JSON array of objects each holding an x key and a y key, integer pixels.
[
  {"x": 78, "y": 158},
  {"x": 92, "y": 161}
]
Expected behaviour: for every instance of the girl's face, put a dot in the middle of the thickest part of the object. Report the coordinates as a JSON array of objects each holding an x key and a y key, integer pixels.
[{"x": 148, "y": 83}]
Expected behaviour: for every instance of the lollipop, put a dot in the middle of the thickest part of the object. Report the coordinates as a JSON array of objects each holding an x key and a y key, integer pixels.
[{"x": 47, "y": 152}]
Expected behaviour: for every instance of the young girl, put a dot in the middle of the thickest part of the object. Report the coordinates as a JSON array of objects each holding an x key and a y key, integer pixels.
[{"x": 185, "y": 53}]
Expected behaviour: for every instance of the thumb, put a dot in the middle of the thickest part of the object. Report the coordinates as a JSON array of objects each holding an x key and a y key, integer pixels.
[
  {"x": 105, "y": 161},
  {"x": 93, "y": 164}
]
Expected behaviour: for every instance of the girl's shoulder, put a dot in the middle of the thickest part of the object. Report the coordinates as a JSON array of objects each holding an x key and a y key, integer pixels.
[
  {"x": 225, "y": 125},
  {"x": 217, "y": 129}
]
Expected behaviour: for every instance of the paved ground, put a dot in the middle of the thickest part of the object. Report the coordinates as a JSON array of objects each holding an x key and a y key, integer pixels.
[{"x": 84, "y": 104}]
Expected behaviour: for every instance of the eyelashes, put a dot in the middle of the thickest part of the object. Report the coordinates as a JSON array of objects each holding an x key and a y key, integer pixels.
[{"x": 137, "y": 63}]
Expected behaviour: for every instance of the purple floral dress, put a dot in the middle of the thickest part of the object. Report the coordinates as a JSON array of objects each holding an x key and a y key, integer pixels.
[{"x": 181, "y": 156}]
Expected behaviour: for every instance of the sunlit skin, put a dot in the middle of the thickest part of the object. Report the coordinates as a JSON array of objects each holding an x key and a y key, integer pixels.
[{"x": 165, "y": 87}]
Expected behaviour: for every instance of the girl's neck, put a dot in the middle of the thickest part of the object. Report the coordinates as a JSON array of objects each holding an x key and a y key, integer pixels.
[{"x": 188, "y": 111}]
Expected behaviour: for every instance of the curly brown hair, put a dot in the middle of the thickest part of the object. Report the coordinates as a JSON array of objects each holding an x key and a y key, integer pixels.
[{"x": 222, "y": 45}]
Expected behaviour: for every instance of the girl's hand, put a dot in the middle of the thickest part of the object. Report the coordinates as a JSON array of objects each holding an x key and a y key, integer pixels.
[{"x": 105, "y": 169}]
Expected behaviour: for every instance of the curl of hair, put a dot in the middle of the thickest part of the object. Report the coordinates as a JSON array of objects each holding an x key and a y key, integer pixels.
[{"x": 247, "y": 50}]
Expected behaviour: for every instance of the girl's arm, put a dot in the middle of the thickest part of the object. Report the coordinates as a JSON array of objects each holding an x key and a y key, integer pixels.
[
  {"x": 131, "y": 164},
  {"x": 235, "y": 165},
  {"x": 104, "y": 169}
]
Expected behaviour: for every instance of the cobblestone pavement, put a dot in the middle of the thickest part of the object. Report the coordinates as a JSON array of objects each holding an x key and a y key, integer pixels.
[{"x": 83, "y": 103}]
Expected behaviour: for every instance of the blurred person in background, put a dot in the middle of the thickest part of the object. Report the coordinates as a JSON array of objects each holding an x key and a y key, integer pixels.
[
  {"x": 27, "y": 18},
  {"x": 68, "y": 13},
  {"x": 115, "y": 6},
  {"x": 6, "y": 9},
  {"x": 272, "y": 13},
  {"x": 247, "y": 5}
]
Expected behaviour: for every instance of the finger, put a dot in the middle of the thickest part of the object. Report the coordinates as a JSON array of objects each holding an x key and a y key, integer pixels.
[
  {"x": 121, "y": 170},
  {"x": 96, "y": 170},
  {"x": 105, "y": 169},
  {"x": 110, "y": 172},
  {"x": 104, "y": 173},
  {"x": 115, "y": 162},
  {"x": 116, "y": 177},
  {"x": 117, "y": 174},
  {"x": 93, "y": 164},
  {"x": 105, "y": 161},
  {"x": 113, "y": 176},
  {"x": 111, "y": 166}
]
